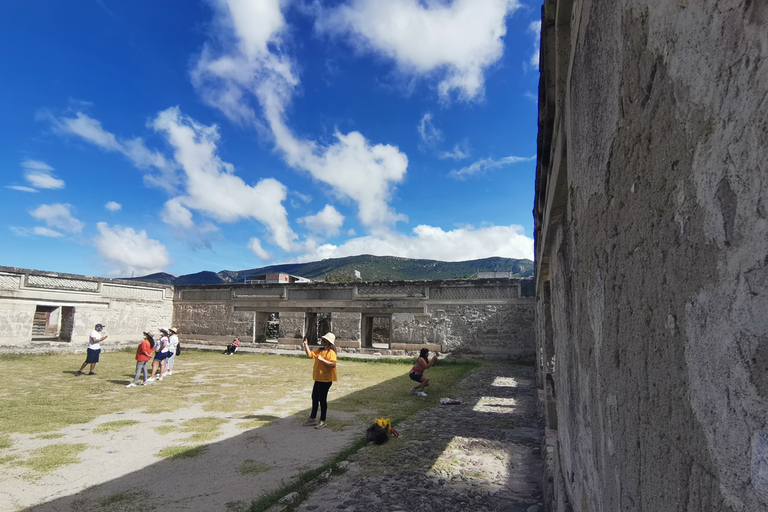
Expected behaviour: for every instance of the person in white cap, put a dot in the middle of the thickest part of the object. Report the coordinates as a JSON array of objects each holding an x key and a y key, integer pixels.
[
  {"x": 94, "y": 349},
  {"x": 324, "y": 374},
  {"x": 173, "y": 342}
]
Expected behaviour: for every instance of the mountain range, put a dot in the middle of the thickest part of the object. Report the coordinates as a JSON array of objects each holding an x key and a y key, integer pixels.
[{"x": 371, "y": 268}]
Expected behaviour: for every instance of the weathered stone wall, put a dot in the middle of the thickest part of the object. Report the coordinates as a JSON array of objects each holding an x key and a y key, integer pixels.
[
  {"x": 126, "y": 308},
  {"x": 651, "y": 244},
  {"x": 346, "y": 326},
  {"x": 499, "y": 331},
  {"x": 478, "y": 318}
]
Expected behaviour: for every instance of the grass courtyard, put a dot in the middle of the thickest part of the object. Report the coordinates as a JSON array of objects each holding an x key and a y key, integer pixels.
[{"x": 53, "y": 424}]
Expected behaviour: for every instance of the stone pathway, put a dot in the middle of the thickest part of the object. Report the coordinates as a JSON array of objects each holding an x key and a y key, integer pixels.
[{"x": 480, "y": 455}]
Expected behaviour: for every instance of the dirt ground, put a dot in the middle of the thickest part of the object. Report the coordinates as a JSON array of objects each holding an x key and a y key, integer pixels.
[{"x": 120, "y": 468}]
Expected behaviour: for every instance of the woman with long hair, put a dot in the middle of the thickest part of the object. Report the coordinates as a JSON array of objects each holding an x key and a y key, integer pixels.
[{"x": 417, "y": 372}]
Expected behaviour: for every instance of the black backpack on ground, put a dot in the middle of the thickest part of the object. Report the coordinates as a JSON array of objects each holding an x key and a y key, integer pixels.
[{"x": 377, "y": 434}]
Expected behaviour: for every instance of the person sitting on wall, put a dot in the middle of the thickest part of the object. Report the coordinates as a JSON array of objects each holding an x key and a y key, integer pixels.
[
  {"x": 232, "y": 347},
  {"x": 94, "y": 349},
  {"x": 417, "y": 372}
]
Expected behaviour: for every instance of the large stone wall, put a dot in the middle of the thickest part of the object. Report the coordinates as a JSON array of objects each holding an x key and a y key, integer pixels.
[
  {"x": 483, "y": 318},
  {"x": 651, "y": 253},
  {"x": 126, "y": 308}
]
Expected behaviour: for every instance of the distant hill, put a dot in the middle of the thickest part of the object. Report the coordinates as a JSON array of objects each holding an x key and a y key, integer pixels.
[{"x": 372, "y": 268}]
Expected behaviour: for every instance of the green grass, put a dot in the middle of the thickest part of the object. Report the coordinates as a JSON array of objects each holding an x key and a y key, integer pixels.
[
  {"x": 252, "y": 467},
  {"x": 49, "y": 458},
  {"x": 5, "y": 442},
  {"x": 53, "y": 398},
  {"x": 114, "y": 425},
  {"x": 181, "y": 452}
]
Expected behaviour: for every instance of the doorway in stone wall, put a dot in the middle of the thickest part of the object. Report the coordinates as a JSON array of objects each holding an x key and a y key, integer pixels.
[
  {"x": 376, "y": 331},
  {"x": 67, "y": 323},
  {"x": 45, "y": 323},
  {"x": 316, "y": 325},
  {"x": 273, "y": 327}
]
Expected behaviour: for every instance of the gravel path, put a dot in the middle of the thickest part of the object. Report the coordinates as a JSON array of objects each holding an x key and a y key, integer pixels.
[{"x": 480, "y": 455}]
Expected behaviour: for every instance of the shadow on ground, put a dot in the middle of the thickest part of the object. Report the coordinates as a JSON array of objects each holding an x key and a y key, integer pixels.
[{"x": 480, "y": 455}]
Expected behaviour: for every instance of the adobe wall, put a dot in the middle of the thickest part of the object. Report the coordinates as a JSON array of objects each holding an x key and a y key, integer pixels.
[
  {"x": 126, "y": 308},
  {"x": 652, "y": 254}
]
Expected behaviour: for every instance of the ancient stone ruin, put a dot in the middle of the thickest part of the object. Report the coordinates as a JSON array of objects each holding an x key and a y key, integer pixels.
[{"x": 490, "y": 318}]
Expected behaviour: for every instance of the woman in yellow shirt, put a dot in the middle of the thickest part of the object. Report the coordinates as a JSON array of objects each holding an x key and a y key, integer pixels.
[{"x": 324, "y": 374}]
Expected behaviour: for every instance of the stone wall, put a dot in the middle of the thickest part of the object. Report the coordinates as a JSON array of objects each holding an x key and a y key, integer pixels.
[
  {"x": 79, "y": 302},
  {"x": 651, "y": 243},
  {"x": 478, "y": 318}
]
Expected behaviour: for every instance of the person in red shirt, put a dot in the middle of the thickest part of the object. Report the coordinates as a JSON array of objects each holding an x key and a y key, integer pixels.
[{"x": 143, "y": 355}]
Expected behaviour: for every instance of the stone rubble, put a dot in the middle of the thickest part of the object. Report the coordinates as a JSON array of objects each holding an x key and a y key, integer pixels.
[{"x": 480, "y": 455}]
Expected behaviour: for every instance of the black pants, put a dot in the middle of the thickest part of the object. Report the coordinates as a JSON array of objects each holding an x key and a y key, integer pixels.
[{"x": 320, "y": 397}]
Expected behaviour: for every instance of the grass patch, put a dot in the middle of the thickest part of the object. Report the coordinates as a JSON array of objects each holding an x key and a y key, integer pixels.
[
  {"x": 114, "y": 425},
  {"x": 52, "y": 435},
  {"x": 49, "y": 458},
  {"x": 5, "y": 442},
  {"x": 202, "y": 429},
  {"x": 119, "y": 498},
  {"x": 181, "y": 452},
  {"x": 252, "y": 467},
  {"x": 8, "y": 460},
  {"x": 165, "y": 429}
]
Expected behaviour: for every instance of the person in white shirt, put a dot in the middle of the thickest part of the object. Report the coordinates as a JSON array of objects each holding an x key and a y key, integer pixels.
[
  {"x": 94, "y": 349},
  {"x": 173, "y": 342},
  {"x": 161, "y": 353}
]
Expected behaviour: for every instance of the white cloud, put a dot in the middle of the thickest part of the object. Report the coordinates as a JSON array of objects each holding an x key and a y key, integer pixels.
[
  {"x": 43, "y": 180},
  {"x": 481, "y": 166},
  {"x": 327, "y": 221},
  {"x": 22, "y": 188},
  {"x": 535, "y": 27},
  {"x": 39, "y": 175},
  {"x": 455, "y": 42},
  {"x": 250, "y": 69},
  {"x": 254, "y": 245},
  {"x": 429, "y": 134},
  {"x": 212, "y": 187},
  {"x": 175, "y": 214},
  {"x": 134, "y": 149},
  {"x": 428, "y": 242},
  {"x": 36, "y": 165},
  {"x": 58, "y": 216},
  {"x": 128, "y": 252},
  {"x": 457, "y": 153},
  {"x": 113, "y": 206},
  {"x": 39, "y": 230}
]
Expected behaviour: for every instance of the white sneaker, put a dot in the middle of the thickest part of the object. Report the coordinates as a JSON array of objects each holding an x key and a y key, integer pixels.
[
  {"x": 421, "y": 393},
  {"x": 413, "y": 390},
  {"x": 321, "y": 424},
  {"x": 131, "y": 385},
  {"x": 151, "y": 379},
  {"x": 159, "y": 378},
  {"x": 169, "y": 372}
]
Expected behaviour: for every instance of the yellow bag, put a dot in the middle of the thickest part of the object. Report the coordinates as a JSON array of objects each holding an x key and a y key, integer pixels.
[{"x": 384, "y": 423}]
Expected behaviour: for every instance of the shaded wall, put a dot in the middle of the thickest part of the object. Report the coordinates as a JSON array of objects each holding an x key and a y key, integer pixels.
[{"x": 652, "y": 254}]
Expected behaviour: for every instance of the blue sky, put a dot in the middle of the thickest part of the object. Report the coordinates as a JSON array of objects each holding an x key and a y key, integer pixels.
[{"x": 184, "y": 135}]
